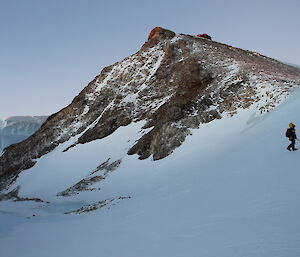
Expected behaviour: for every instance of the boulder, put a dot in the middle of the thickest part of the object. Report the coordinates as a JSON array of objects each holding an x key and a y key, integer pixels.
[
  {"x": 156, "y": 35},
  {"x": 160, "y": 33}
]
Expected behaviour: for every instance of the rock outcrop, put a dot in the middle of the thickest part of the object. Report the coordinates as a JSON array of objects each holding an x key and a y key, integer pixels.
[
  {"x": 159, "y": 34},
  {"x": 204, "y": 36},
  {"x": 156, "y": 35}
]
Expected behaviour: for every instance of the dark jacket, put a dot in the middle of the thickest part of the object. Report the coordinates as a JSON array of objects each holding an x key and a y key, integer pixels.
[{"x": 291, "y": 133}]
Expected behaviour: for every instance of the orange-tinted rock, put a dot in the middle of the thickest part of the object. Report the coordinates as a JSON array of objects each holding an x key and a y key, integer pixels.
[
  {"x": 204, "y": 36},
  {"x": 157, "y": 34},
  {"x": 154, "y": 32}
]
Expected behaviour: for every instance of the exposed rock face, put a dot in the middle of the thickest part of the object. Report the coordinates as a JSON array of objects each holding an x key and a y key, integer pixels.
[
  {"x": 174, "y": 83},
  {"x": 98, "y": 205},
  {"x": 158, "y": 34},
  {"x": 14, "y": 196},
  {"x": 85, "y": 184}
]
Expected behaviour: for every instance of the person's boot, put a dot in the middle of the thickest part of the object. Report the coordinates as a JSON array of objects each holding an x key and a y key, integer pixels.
[
  {"x": 294, "y": 149},
  {"x": 288, "y": 148}
]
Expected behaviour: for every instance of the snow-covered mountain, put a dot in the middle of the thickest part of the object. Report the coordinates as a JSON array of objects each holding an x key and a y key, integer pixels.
[
  {"x": 295, "y": 65},
  {"x": 178, "y": 150},
  {"x": 17, "y": 128}
]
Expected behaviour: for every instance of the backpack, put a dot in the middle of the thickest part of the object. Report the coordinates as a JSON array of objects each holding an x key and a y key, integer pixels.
[{"x": 288, "y": 133}]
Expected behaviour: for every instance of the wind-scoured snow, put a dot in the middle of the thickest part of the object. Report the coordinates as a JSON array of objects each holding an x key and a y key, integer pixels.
[{"x": 231, "y": 190}]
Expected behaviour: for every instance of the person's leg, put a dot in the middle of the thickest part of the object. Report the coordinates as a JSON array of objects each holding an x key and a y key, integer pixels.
[
  {"x": 290, "y": 146},
  {"x": 293, "y": 144}
]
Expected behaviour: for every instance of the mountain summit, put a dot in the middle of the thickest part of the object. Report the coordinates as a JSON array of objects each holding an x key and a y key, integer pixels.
[{"x": 173, "y": 84}]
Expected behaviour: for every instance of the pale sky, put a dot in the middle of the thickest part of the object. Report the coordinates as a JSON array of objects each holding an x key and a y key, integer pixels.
[{"x": 51, "y": 49}]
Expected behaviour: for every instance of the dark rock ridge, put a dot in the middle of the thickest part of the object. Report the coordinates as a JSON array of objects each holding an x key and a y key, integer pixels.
[
  {"x": 173, "y": 83},
  {"x": 14, "y": 196},
  {"x": 98, "y": 205},
  {"x": 85, "y": 184}
]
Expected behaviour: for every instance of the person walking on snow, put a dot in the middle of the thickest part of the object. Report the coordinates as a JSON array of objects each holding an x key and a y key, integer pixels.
[{"x": 291, "y": 134}]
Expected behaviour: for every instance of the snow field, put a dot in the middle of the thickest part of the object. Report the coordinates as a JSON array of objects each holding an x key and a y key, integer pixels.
[{"x": 231, "y": 190}]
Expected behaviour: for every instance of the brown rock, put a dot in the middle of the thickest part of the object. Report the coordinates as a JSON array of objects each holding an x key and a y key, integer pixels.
[{"x": 156, "y": 35}]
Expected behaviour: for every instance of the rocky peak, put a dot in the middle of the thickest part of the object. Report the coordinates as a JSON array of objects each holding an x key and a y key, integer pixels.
[
  {"x": 158, "y": 34},
  {"x": 173, "y": 84}
]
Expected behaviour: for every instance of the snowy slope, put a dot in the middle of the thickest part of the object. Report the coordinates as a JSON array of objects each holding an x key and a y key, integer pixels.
[
  {"x": 232, "y": 189},
  {"x": 216, "y": 180}
]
